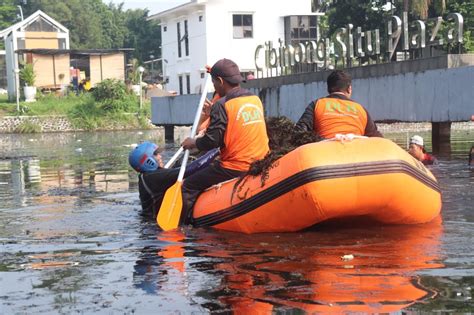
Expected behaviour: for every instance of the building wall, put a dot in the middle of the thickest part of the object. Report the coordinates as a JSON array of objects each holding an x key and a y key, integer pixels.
[
  {"x": 192, "y": 65},
  {"x": 48, "y": 40},
  {"x": 107, "y": 67},
  {"x": 48, "y": 69},
  {"x": 31, "y": 40},
  {"x": 212, "y": 39},
  {"x": 435, "y": 89}
]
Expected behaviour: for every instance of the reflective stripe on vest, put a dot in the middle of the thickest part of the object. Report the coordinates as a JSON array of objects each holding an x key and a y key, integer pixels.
[{"x": 333, "y": 116}]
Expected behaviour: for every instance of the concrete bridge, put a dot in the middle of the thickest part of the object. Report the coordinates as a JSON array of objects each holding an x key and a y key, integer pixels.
[{"x": 438, "y": 90}]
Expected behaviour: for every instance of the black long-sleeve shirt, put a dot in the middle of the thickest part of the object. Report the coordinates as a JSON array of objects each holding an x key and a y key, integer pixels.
[{"x": 214, "y": 136}]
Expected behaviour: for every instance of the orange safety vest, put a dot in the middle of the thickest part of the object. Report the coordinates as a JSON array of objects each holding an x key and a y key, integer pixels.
[
  {"x": 245, "y": 139},
  {"x": 334, "y": 115}
]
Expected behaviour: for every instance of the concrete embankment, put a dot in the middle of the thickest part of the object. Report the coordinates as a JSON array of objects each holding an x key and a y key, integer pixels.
[{"x": 11, "y": 124}]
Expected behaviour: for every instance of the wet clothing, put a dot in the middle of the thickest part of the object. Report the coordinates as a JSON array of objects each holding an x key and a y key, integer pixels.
[
  {"x": 429, "y": 159},
  {"x": 152, "y": 186},
  {"x": 238, "y": 128},
  {"x": 200, "y": 181},
  {"x": 335, "y": 114}
]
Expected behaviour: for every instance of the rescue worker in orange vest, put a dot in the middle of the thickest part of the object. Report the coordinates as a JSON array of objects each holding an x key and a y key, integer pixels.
[
  {"x": 337, "y": 113},
  {"x": 237, "y": 126}
]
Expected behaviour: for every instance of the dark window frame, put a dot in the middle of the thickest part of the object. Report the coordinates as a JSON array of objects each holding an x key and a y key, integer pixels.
[
  {"x": 188, "y": 83},
  {"x": 178, "y": 32},
  {"x": 244, "y": 24},
  {"x": 180, "y": 80},
  {"x": 186, "y": 38}
]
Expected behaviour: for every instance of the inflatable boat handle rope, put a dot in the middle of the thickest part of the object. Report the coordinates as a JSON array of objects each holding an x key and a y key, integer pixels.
[{"x": 345, "y": 137}]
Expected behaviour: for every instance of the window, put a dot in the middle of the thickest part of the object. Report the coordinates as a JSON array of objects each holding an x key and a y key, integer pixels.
[
  {"x": 178, "y": 28},
  {"x": 188, "y": 84},
  {"x": 242, "y": 25},
  {"x": 62, "y": 43},
  {"x": 41, "y": 25},
  {"x": 300, "y": 29},
  {"x": 183, "y": 38},
  {"x": 186, "y": 41},
  {"x": 200, "y": 18},
  {"x": 165, "y": 28},
  {"x": 180, "y": 85}
]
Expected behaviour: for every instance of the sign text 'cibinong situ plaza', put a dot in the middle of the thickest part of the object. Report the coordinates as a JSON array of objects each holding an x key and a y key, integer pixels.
[{"x": 349, "y": 43}]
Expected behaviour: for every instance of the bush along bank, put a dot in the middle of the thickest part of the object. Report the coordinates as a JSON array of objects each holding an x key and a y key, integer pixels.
[{"x": 110, "y": 106}]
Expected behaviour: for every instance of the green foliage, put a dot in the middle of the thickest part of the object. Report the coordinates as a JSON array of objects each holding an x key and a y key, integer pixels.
[
  {"x": 112, "y": 96},
  {"x": 127, "y": 104},
  {"x": 28, "y": 127},
  {"x": 110, "y": 89},
  {"x": 144, "y": 35},
  {"x": 8, "y": 13},
  {"x": 368, "y": 15},
  {"x": 86, "y": 115},
  {"x": 466, "y": 9},
  {"x": 94, "y": 24},
  {"x": 27, "y": 74},
  {"x": 56, "y": 105},
  {"x": 110, "y": 107},
  {"x": 132, "y": 73}
]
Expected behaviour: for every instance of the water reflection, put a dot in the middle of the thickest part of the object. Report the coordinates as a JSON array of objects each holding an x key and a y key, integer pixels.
[
  {"x": 72, "y": 241},
  {"x": 296, "y": 271}
]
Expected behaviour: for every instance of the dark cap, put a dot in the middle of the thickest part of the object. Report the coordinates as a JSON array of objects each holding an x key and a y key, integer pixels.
[{"x": 227, "y": 70}]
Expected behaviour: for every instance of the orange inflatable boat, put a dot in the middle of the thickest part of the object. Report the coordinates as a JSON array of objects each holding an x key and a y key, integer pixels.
[{"x": 370, "y": 177}]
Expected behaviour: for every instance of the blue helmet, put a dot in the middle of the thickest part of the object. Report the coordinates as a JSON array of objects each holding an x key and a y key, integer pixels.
[{"x": 142, "y": 158}]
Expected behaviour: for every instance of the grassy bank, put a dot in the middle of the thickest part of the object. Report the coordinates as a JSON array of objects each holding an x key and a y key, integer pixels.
[{"x": 109, "y": 106}]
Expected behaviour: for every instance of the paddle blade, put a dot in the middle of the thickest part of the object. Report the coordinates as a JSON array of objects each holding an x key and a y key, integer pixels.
[{"x": 171, "y": 207}]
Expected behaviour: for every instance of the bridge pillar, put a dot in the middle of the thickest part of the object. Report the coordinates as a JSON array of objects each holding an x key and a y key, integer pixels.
[
  {"x": 169, "y": 133},
  {"x": 441, "y": 137}
]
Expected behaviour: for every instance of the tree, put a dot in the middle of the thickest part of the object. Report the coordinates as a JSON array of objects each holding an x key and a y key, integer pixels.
[
  {"x": 466, "y": 9},
  {"x": 94, "y": 24},
  {"x": 368, "y": 15},
  {"x": 8, "y": 13},
  {"x": 422, "y": 8},
  {"x": 143, "y": 35}
]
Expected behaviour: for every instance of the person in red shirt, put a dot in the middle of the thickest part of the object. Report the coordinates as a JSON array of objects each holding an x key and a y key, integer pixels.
[{"x": 417, "y": 150}]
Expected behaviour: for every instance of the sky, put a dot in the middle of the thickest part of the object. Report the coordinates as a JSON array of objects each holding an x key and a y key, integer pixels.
[{"x": 154, "y": 6}]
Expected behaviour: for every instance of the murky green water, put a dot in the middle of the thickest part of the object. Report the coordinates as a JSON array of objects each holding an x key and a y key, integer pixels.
[{"x": 72, "y": 240}]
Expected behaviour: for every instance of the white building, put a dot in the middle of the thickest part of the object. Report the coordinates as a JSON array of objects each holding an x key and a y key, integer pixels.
[
  {"x": 200, "y": 32},
  {"x": 39, "y": 30}
]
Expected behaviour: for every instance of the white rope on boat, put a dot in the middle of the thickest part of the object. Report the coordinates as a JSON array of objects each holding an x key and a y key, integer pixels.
[{"x": 345, "y": 137}]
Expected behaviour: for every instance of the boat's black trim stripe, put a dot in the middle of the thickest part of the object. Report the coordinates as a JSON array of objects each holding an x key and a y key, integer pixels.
[{"x": 311, "y": 175}]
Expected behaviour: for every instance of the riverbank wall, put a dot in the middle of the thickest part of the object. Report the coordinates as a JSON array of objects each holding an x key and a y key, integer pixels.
[{"x": 12, "y": 124}]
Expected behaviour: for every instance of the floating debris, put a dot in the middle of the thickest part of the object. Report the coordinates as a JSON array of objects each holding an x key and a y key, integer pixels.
[
  {"x": 132, "y": 145},
  {"x": 347, "y": 257}
]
